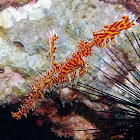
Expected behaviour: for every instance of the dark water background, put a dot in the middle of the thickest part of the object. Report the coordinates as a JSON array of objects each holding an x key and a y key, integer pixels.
[
  {"x": 24, "y": 129},
  {"x": 28, "y": 129}
]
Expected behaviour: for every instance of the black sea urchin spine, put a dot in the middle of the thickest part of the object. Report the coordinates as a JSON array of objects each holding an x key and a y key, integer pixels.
[{"x": 124, "y": 111}]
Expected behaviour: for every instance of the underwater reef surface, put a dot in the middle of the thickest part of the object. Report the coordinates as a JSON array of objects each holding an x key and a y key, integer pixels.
[
  {"x": 131, "y": 5},
  {"x": 14, "y": 3},
  {"x": 24, "y": 42},
  {"x": 25, "y": 53}
]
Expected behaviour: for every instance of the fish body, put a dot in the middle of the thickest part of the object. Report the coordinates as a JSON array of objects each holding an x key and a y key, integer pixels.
[{"x": 60, "y": 72}]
